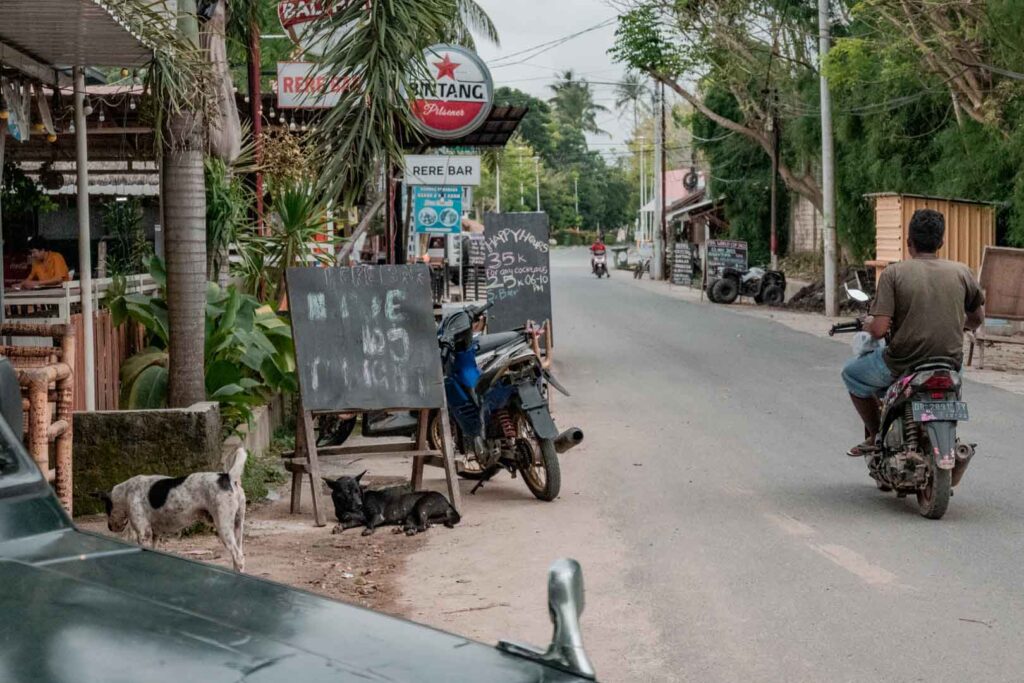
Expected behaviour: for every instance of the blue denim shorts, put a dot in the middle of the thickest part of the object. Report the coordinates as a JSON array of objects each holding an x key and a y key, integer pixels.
[{"x": 868, "y": 376}]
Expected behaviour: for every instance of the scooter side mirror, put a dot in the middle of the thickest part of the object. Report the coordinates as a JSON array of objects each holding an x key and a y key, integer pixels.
[{"x": 858, "y": 295}]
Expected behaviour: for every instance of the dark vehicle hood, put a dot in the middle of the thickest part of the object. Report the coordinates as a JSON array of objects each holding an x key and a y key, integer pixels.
[{"x": 76, "y": 608}]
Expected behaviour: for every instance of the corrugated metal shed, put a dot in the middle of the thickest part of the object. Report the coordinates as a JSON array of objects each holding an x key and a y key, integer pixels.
[{"x": 67, "y": 33}]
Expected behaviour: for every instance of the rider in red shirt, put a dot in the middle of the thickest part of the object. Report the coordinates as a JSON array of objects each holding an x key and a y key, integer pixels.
[{"x": 596, "y": 249}]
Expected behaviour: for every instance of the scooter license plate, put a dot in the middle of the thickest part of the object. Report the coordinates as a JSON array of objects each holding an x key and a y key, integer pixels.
[{"x": 940, "y": 411}]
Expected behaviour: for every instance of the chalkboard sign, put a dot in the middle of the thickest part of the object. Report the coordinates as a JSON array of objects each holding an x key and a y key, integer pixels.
[
  {"x": 518, "y": 269},
  {"x": 476, "y": 249},
  {"x": 726, "y": 254},
  {"x": 682, "y": 264},
  {"x": 365, "y": 338}
]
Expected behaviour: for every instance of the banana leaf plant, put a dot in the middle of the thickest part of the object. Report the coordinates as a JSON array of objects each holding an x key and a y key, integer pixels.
[{"x": 249, "y": 352}]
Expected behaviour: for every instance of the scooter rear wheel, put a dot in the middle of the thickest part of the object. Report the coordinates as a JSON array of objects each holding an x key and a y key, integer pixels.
[{"x": 933, "y": 499}]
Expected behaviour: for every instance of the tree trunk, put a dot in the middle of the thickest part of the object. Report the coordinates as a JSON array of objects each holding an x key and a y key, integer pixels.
[{"x": 185, "y": 247}]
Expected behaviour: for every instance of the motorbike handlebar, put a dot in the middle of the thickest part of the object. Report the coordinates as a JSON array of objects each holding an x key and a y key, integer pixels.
[
  {"x": 476, "y": 311},
  {"x": 852, "y": 326}
]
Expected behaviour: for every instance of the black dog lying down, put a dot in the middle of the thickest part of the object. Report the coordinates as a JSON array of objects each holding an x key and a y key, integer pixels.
[{"x": 355, "y": 505}]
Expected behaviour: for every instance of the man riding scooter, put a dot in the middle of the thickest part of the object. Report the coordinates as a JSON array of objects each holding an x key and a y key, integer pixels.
[
  {"x": 923, "y": 306},
  {"x": 598, "y": 250}
]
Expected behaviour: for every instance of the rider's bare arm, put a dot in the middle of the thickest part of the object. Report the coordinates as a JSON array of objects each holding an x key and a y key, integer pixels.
[{"x": 878, "y": 326}]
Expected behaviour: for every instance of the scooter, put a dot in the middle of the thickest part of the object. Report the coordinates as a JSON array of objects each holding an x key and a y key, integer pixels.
[
  {"x": 599, "y": 265},
  {"x": 497, "y": 398},
  {"x": 917, "y": 449}
]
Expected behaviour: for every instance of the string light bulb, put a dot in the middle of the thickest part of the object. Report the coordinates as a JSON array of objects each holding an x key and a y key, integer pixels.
[
  {"x": 291, "y": 125},
  {"x": 51, "y": 137},
  {"x": 273, "y": 113},
  {"x": 103, "y": 115},
  {"x": 87, "y": 109},
  {"x": 125, "y": 72},
  {"x": 71, "y": 128},
  {"x": 131, "y": 104}
]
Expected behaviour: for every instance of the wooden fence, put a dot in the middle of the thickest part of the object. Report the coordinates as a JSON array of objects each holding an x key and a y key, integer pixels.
[{"x": 113, "y": 346}]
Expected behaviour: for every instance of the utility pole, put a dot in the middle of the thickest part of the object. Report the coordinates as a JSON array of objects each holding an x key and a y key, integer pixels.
[
  {"x": 522, "y": 186},
  {"x": 828, "y": 179},
  {"x": 657, "y": 267},
  {"x": 497, "y": 187},
  {"x": 576, "y": 191},
  {"x": 643, "y": 190},
  {"x": 536, "y": 165},
  {"x": 773, "y": 124}
]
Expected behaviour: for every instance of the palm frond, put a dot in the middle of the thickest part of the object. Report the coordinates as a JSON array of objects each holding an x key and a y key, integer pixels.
[{"x": 380, "y": 52}]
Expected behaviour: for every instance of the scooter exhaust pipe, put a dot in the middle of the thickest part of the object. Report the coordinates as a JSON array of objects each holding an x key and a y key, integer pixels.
[
  {"x": 568, "y": 439},
  {"x": 964, "y": 453}
]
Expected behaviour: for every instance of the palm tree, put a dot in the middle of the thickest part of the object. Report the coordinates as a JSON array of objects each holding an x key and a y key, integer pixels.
[
  {"x": 363, "y": 133},
  {"x": 574, "y": 103},
  {"x": 632, "y": 92}
]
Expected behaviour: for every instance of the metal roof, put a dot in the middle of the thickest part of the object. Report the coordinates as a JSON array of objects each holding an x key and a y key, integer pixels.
[
  {"x": 494, "y": 132},
  {"x": 959, "y": 200},
  {"x": 65, "y": 33}
]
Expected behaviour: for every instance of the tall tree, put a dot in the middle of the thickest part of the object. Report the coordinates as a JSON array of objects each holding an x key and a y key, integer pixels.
[
  {"x": 633, "y": 94},
  {"x": 574, "y": 104},
  {"x": 760, "y": 51}
]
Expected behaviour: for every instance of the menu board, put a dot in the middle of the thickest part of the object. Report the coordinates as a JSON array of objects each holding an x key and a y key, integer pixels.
[
  {"x": 365, "y": 338},
  {"x": 518, "y": 269},
  {"x": 682, "y": 264},
  {"x": 726, "y": 254}
]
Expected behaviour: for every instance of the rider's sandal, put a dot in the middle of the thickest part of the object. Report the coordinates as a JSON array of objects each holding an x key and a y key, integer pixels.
[{"x": 860, "y": 450}]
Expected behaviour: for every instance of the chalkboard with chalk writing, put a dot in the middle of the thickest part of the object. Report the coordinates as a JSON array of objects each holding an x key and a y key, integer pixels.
[
  {"x": 726, "y": 254},
  {"x": 682, "y": 264},
  {"x": 365, "y": 338},
  {"x": 518, "y": 269}
]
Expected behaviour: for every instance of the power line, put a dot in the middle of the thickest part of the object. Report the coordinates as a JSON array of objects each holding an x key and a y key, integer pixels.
[{"x": 540, "y": 49}]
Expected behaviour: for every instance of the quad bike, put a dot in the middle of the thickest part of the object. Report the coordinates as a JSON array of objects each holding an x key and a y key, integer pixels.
[{"x": 763, "y": 286}]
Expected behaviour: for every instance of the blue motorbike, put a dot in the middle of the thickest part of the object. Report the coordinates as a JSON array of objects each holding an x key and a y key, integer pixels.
[{"x": 497, "y": 398}]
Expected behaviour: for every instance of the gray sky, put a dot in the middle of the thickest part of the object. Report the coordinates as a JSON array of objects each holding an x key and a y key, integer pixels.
[{"x": 524, "y": 24}]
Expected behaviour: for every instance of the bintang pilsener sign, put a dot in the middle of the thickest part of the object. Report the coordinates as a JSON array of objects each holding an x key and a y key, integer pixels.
[{"x": 456, "y": 96}]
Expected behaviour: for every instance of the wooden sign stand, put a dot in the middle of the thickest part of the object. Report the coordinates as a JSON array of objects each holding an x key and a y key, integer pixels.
[{"x": 419, "y": 450}]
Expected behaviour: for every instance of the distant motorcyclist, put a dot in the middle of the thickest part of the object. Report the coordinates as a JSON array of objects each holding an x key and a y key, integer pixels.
[
  {"x": 597, "y": 249},
  {"x": 925, "y": 303}
]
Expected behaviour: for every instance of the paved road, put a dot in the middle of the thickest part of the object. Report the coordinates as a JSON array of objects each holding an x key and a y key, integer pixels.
[{"x": 757, "y": 549}]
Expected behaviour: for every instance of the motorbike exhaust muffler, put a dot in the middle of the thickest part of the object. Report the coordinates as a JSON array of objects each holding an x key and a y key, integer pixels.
[
  {"x": 964, "y": 453},
  {"x": 568, "y": 439}
]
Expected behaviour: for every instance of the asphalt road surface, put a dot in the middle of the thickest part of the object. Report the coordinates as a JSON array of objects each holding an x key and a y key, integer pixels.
[{"x": 758, "y": 550}]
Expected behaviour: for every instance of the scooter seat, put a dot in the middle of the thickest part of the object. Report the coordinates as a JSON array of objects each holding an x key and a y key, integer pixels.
[
  {"x": 935, "y": 364},
  {"x": 490, "y": 342}
]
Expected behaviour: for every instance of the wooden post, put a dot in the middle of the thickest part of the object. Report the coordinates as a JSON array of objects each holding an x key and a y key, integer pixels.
[
  {"x": 313, "y": 467},
  {"x": 419, "y": 461},
  {"x": 448, "y": 454}
]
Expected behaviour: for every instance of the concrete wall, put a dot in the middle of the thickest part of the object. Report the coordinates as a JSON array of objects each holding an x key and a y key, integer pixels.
[
  {"x": 110, "y": 447},
  {"x": 805, "y": 227}
]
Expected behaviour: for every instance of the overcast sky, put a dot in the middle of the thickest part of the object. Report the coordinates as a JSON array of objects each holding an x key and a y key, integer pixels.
[{"x": 525, "y": 24}]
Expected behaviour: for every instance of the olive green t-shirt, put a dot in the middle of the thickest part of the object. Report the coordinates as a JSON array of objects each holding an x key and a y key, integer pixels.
[{"x": 928, "y": 300}]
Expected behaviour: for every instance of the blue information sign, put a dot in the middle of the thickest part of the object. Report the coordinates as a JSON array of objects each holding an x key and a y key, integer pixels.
[{"x": 437, "y": 209}]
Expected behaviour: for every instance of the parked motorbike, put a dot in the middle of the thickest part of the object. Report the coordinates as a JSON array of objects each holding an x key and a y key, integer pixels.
[
  {"x": 763, "y": 286},
  {"x": 498, "y": 406},
  {"x": 599, "y": 266},
  {"x": 918, "y": 450},
  {"x": 642, "y": 266},
  {"x": 497, "y": 398}
]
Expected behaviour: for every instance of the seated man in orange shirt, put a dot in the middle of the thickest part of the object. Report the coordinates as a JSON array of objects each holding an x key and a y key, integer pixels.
[{"x": 48, "y": 267}]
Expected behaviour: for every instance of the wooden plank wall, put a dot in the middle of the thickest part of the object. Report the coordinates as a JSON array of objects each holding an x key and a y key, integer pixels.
[
  {"x": 113, "y": 346},
  {"x": 969, "y": 228}
]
